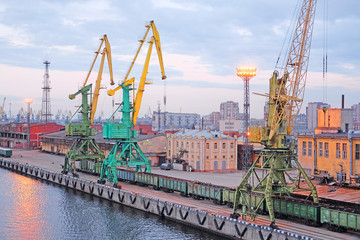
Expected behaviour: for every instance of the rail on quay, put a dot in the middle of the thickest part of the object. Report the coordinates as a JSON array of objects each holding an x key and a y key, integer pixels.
[{"x": 219, "y": 225}]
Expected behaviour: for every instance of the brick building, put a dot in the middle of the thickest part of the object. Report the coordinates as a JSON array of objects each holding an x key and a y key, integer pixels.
[{"x": 205, "y": 150}]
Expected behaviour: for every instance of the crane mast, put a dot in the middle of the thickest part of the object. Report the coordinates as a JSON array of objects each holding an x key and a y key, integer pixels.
[
  {"x": 278, "y": 160},
  {"x": 126, "y": 151},
  {"x": 84, "y": 145}
]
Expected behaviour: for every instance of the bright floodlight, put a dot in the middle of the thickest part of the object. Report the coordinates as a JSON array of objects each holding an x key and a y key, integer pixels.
[
  {"x": 246, "y": 72},
  {"x": 28, "y": 100}
]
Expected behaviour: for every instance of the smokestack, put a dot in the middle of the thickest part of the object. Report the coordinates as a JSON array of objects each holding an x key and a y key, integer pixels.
[{"x": 342, "y": 101}]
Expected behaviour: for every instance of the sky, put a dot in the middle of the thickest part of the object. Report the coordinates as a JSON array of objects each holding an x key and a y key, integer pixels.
[{"x": 202, "y": 41}]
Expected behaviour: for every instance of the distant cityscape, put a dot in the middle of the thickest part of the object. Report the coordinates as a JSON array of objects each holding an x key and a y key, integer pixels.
[{"x": 227, "y": 119}]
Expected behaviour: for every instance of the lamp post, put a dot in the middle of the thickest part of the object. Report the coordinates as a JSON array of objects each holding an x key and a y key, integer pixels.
[
  {"x": 246, "y": 73},
  {"x": 28, "y": 101}
]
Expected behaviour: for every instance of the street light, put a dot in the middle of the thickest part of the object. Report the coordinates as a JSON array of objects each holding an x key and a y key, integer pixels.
[
  {"x": 246, "y": 73},
  {"x": 28, "y": 101}
]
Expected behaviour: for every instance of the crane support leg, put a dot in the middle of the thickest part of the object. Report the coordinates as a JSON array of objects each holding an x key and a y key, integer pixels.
[
  {"x": 277, "y": 168},
  {"x": 82, "y": 148},
  {"x": 124, "y": 153}
]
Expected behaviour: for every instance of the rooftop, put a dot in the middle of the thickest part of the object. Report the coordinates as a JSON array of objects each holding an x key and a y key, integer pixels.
[
  {"x": 207, "y": 134},
  {"x": 98, "y": 137}
]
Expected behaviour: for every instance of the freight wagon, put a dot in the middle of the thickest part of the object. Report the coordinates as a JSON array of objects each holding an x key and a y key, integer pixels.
[{"x": 331, "y": 213}]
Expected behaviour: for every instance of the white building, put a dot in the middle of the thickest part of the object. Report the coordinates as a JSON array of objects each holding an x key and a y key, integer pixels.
[
  {"x": 174, "y": 120},
  {"x": 231, "y": 125}
]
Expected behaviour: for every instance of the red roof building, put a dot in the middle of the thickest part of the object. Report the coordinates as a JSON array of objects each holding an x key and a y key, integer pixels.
[{"x": 15, "y": 135}]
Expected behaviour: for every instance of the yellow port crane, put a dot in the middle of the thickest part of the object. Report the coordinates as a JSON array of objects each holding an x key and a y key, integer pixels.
[
  {"x": 85, "y": 146},
  {"x": 106, "y": 51},
  {"x": 126, "y": 150},
  {"x": 140, "y": 90},
  {"x": 279, "y": 157},
  {"x": 2, "y": 109}
]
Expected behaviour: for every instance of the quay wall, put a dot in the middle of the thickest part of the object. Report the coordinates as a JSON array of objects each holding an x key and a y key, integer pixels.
[{"x": 219, "y": 225}]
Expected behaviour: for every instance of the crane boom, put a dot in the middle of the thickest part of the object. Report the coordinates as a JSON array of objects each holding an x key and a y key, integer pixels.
[
  {"x": 105, "y": 52},
  {"x": 154, "y": 39},
  {"x": 292, "y": 86}
]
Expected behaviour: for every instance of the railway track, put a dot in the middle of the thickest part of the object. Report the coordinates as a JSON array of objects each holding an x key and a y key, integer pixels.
[{"x": 207, "y": 205}]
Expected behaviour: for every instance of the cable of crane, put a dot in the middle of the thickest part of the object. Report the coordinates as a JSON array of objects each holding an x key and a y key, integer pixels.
[
  {"x": 287, "y": 37},
  {"x": 325, "y": 45}
]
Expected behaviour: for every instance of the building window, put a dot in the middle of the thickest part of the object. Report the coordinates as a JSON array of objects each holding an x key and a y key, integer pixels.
[
  {"x": 215, "y": 145},
  {"x": 207, "y": 157},
  {"x": 187, "y": 145},
  {"x": 207, "y": 146},
  {"x": 177, "y": 143},
  {"x": 192, "y": 145},
  {"x": 231, "y": 156},
  {"x": 198, "y": 165},
  {"x": 357, "y": 151},
  {"x": 224, "y": 156},
  {"x": 198, "y": 146},
  {"x": 309, "y": 148},
  {"x": 231, "y": 145},
  {"x": 344, "y": 151},
  {"x": 215, "y": 157},
  {"x": 182, "y": 144},
  {"x": 321, "y": 149},
  {"x": 326, "y": 153},
  {"x": 169, "y": 143},
  {"x": 304, "y": 148},
  {"x": 224, "y": 145},
  {"x": 337, "y": 150}
]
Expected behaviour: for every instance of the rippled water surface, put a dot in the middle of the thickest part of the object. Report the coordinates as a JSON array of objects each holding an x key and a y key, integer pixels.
[{"x": 33, "y": 209}]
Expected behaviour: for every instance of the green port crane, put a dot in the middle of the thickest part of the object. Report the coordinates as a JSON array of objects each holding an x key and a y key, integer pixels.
[
  {"x": 85, "y": 146},
  {"x": 279, "y": 156},
  {"x": 126, "y": 151}
]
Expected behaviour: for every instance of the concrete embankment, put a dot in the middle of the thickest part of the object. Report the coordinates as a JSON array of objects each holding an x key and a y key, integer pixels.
[{"x": 224, "y": 227}]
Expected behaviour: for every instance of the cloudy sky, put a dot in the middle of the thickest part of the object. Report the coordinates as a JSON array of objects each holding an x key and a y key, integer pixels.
[{"x": 203, "y": 42}]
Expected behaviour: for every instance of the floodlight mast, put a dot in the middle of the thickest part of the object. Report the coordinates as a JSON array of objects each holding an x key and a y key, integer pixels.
[{"x": 246, "y": 73}]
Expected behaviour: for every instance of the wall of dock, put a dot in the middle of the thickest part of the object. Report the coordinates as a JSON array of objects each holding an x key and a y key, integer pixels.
[{"x": 224, "y": 227}]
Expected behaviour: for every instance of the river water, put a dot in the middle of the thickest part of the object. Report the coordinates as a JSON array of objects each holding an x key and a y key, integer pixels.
[{"x": 33, "y": 209}]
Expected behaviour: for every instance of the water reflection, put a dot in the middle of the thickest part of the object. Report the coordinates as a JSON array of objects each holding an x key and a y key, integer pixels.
[
  {"x": 32, "y": 209},
  {"x": 25, "y": 211}
]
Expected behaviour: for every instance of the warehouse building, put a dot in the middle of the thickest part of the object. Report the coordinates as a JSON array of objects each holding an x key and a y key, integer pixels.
[
  {"x": 333, "y": 150},
  {"x": 153, "y": 146}
]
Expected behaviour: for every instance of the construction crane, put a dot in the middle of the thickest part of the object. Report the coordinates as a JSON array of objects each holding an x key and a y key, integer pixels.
[
  {"x": 21, "y": 115},
  {"x": 126, "y": 151},
  {"x": 85, "y": 146},
  {"x": 279, "y": 155},
  {"x": 2, "y": 109}
]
